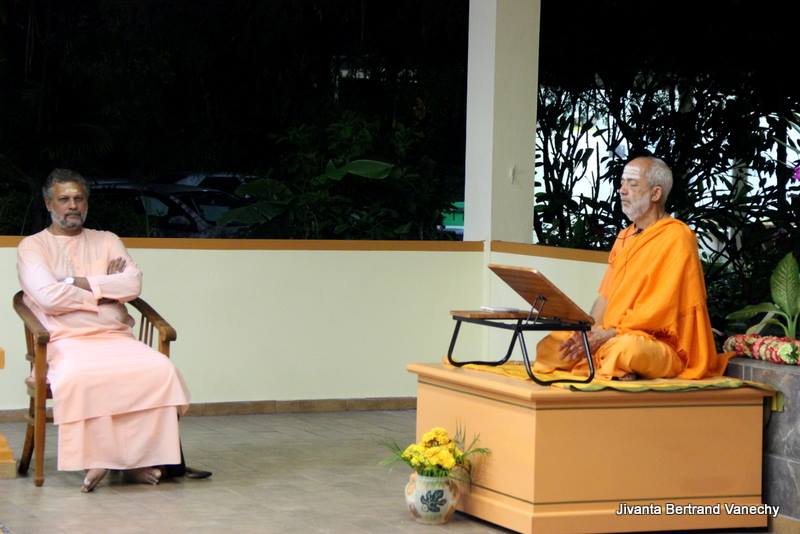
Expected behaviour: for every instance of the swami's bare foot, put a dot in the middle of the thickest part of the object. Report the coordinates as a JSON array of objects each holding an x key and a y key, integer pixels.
[
  {"x": 628, "y": 377},
  {"x": 144, "y": 475},
  {"x": 93, "y": 478}
]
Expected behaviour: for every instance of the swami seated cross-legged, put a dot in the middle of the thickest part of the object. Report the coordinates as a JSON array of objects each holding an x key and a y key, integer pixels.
[
  {"x": 651, "y": 319},
  {"x": 115, "y": 400}
]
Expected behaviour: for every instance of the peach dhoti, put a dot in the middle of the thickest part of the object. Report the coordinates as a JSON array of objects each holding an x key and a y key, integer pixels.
[{"x": 116, "y": 403}]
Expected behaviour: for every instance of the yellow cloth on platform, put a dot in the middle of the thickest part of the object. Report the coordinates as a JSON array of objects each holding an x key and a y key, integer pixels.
[
  {"x": 655, "y": 291},
  {"x": 515, "y": 369}
]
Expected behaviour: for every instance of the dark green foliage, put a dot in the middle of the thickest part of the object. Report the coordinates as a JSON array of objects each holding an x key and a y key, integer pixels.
[
  {"x": 15, "y": 210},
  {"x": 148, "y": 90},
  {"x": 712, "y": 137},
  {"x": 707, "y": 86},
  {"x": 785, "y": 292},
  {"x": 319, "y": 190}
]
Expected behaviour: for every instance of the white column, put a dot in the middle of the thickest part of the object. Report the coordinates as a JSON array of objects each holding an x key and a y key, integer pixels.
[{"x": 502, "y": 82}]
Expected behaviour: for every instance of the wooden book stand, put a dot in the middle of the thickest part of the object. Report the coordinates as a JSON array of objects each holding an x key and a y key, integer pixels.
[{"x": 550, "y": 310}]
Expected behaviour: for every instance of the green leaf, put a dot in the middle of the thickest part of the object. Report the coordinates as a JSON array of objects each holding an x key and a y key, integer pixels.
[
  {"x": 785, "y": 285},
  {"x": 334, "y": 173},
  {"x": 749, "y": 311},
  {"x": 756, "y": 329},
  {"x": 266, "y": 189},
  {"x": 366, "y": 168},
  {"x": 260, "y": 212}
]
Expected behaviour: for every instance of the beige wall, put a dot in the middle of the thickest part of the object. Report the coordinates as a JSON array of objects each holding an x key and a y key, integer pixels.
[
  {"x": 268, "y": 324},
  {"x": 287, "y": 324}
]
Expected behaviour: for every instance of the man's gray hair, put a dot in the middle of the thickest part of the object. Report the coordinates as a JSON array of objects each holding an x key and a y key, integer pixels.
[
  {"x": 658, "y": 173},
  {"x": 63, "y": 176}
]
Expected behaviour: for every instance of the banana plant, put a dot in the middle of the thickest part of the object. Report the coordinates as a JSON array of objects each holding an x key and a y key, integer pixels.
[{"x": 785, "y": 308}]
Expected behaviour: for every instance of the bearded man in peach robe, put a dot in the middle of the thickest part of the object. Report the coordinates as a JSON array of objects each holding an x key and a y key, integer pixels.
[
  {"x": 650, "y": 318},
  {"x": 115, "y": 400}
]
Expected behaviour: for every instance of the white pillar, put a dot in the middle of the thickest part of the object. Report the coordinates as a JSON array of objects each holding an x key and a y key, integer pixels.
[{"x": 502, "y": 82}]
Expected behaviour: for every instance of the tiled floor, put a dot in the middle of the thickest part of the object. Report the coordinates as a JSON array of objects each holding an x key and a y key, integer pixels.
[{"x": 280, "y": 473}]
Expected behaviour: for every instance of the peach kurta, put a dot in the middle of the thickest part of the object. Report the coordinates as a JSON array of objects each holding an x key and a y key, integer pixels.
[
  {"x": 115, "y": 400},
  {"x": 657, "y": 304}
]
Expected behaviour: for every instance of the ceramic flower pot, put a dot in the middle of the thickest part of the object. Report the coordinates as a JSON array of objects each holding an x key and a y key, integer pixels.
[{"x": 431, "y": 500}]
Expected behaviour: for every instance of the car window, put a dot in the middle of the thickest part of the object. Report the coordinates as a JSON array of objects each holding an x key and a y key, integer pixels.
[
  {"x": 209, "y": 205},
  {"x": 223, "y": 183},
  {"x": 154, "y": 207},
  {"x": 131, "y": 213},
  {"x": 163, "y": 213},
  {"x": 119, "y": 211}
]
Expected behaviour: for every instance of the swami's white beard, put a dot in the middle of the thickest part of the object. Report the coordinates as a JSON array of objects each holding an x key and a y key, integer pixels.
[{"x": 636, "y": 209}]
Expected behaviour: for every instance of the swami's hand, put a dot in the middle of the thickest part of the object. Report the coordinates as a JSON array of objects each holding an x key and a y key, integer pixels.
[
  {"x": 572, "y": 349},
  {"x": 117, "y": 265}
]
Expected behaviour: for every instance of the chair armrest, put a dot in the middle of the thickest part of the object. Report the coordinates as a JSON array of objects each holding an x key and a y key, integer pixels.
[
  {"x": 40, "y": 334},
  {"x": 165, "y": 330}
]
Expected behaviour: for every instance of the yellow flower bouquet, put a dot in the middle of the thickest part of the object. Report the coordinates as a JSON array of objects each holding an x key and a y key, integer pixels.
[{"x": 437, "y": 454}]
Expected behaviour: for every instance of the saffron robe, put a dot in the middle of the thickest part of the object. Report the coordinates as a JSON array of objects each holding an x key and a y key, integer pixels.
[
  {"x": 657, "y": 304},
  {"x": 115, "y": 400}
]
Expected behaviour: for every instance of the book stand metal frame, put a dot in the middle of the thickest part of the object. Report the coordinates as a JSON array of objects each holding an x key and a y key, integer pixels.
[{"x": 538, "y": 291}]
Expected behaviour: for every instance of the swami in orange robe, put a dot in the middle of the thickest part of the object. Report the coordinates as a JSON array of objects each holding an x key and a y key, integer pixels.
[{"x": 655, "y": 308}]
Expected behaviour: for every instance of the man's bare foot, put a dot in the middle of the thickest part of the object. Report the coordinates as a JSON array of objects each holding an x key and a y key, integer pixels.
[
  {"x": 93, "y": 478},
  {"x": 144, "y": 475},
  {"x": 628, "y": 377}
]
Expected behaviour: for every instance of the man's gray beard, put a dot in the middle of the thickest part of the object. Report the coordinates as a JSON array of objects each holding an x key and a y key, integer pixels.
[
  {"x": 636, "y": 209},
  {"x": 68, "y": 224}
]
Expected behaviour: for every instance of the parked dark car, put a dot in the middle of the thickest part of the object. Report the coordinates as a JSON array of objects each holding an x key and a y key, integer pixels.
[
  {"x": 161, "y": 210},
  {"x": 222, "y": 181}
]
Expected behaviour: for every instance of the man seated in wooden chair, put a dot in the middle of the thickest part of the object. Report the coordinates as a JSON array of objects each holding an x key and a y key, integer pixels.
[{"x": 116, "y": 401}]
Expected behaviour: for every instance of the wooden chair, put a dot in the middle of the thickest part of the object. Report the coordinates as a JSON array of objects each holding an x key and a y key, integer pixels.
[{"x": 36, "y": 340}]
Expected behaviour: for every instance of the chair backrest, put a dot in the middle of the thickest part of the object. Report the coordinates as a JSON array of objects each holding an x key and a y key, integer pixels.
[
  {"x": 36, "y": 335},
  {"x": 152, "y": 324}
]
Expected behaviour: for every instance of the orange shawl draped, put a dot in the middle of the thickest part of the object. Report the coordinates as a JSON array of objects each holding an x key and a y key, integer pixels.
[{"x": 654, "y": 287}]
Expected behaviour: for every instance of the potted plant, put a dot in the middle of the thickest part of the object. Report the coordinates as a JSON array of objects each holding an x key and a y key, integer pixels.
[
  {"x": 782, "y": 312},
  {"x": 437, "y": 460}
]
